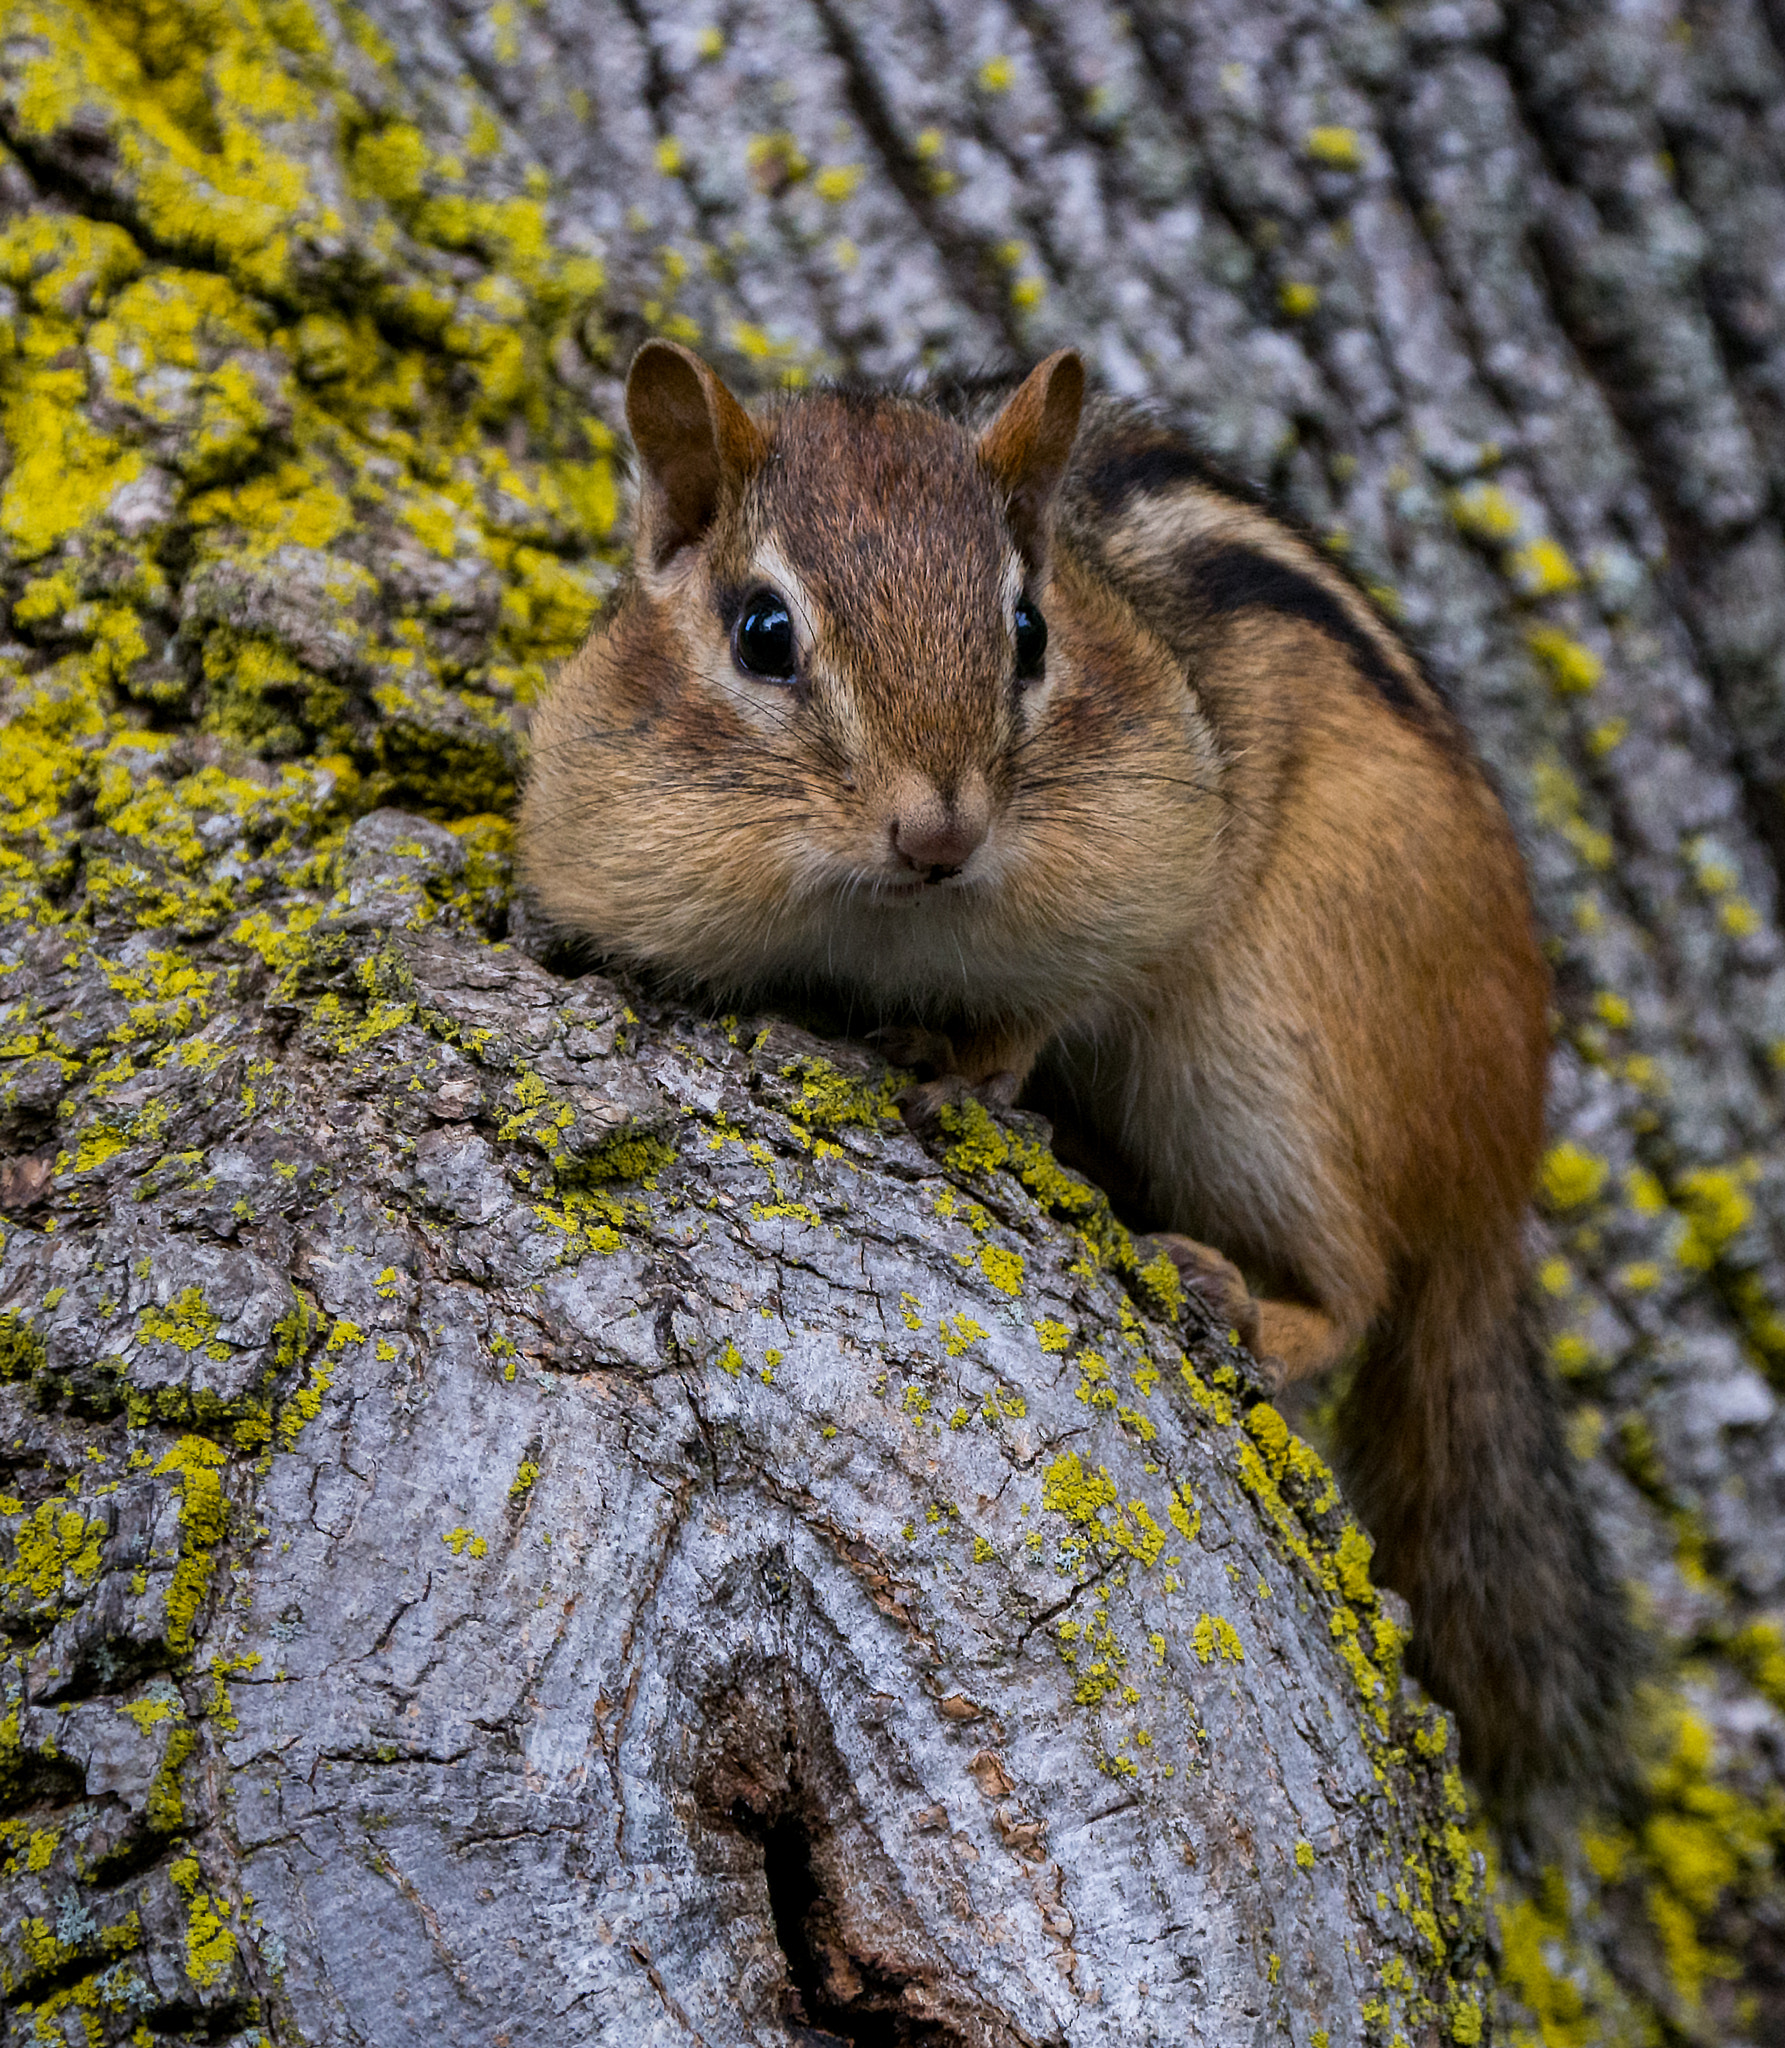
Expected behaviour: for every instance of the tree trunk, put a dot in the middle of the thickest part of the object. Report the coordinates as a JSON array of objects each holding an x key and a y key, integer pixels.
[
  {"x": 643, "y": 1550},
  {"x": 541, "y": 1517}
]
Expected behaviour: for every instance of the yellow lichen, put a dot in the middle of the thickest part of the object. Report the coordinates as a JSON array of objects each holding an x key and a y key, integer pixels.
[
  {"x": 959, "y": 1331},
  {"x": 1214, "y": 1636},
  {"x": 210, "y": 1943},
  {"x": 1572, "y": 1177},
  {"x": 1573, "y": 669},
  {"x": 1336, "y": 147},
  {"x": 1068, "y": 1489},
  {"x": 1486, "y": 512},
  {"x": 187, "y": 1322},
  {"x": 1717, "y": 1209},
  {"x": 195, "y": 1464},
  {"x": 1542, "y": 568},
  {"x": 1004, "y": 1269},
  {"x": 55, "y": 1543}
]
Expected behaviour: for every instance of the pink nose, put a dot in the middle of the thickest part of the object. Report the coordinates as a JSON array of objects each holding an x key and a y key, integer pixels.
[
  {"x": 936, "y": 837},
  {"x": 938, "y": 848}
]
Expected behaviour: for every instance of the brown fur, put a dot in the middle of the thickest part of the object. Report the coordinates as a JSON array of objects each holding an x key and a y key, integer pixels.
[{"x": 1229, "y": 873}]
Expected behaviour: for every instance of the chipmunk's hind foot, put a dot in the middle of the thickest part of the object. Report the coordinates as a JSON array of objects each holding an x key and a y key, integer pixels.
[
  {"x": 1290, "y": 1340},
  {"x": 1214, "y": 1278}
]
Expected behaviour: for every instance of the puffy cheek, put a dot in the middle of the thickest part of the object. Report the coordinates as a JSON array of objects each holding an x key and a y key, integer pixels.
[
  {"x": 644, "y": 664},
  {"x": 841, "y": 834},
  {"x": 1093, "y": 705},
  {"x": 708, "y": 737},
  {"x": 1013, "y": 861}
]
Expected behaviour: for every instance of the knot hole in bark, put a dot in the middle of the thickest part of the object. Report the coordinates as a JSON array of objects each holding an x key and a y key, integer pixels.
[
  {"x": 836, "y": 1995},
  {"x": 862, "y": 1968}
]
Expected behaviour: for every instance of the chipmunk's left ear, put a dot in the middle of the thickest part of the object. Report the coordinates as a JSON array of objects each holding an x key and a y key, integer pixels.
[{"x": 1026, "y": 447}]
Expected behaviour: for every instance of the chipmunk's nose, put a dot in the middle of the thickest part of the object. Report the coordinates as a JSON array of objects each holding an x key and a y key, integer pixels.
[{"x": 935, "y": 835}]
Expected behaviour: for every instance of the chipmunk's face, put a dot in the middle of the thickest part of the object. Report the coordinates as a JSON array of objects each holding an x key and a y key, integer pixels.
[
  {"x": 849, "y": 706},
  {"x": 865, "y": 627}
]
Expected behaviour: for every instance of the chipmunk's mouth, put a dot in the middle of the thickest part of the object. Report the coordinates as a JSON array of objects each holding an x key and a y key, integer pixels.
[
  {"x": 916, "y": 890},
  {"x": 864, "y": 888}
]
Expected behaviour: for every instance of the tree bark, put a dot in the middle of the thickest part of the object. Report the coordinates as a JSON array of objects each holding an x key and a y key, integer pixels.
[
  {"x": 538, "y": 1516},
  {"x": 641, "y": 1550}
]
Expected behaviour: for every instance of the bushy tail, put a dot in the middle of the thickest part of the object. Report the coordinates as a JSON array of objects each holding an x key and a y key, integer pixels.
[{"x": 1452, "y": 1449}]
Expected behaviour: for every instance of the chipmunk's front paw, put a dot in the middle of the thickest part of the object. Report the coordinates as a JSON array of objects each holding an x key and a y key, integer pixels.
[
  {"x": 915, "y": 1047},
  {"x": 923, "y": 1102},
  {"x": 942, "y": 1083},
  {"x": 1217, "y": 1280}
]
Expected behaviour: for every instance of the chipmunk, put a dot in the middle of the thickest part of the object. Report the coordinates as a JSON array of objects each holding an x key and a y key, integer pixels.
[{"x": 1007, "y": 718}]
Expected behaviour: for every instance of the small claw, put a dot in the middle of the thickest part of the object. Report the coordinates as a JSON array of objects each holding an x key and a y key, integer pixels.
[
  {"x": 1000, "y": 1089},
  {"x": 923, "y": 1102},
  {"x": 1273, "y": 1371}
]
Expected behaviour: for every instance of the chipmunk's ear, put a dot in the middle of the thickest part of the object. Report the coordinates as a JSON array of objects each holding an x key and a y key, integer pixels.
[
  {"x": 695, "y": 443},
  {"x": 1026, "y": 446}
]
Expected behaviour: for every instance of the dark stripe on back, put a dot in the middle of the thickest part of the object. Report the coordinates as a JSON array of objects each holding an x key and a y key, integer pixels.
[
  {"x": 1233, "y": 577},
  {"x": 1236, "y": 579},
  {"x": 1113, "y": 480}
]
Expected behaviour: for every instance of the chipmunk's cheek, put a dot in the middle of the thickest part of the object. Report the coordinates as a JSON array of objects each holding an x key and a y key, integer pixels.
[{"x": 824, "y": 857}]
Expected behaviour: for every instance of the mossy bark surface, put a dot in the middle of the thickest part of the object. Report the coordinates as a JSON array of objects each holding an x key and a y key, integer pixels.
[{"x": 536, "y": 1516}]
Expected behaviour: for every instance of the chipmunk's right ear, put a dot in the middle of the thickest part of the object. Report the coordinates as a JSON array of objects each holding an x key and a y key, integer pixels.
[{"x": 695, "y": 445}]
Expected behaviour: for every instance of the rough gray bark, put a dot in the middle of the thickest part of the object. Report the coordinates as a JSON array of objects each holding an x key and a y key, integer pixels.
[
  {"x": 1495, "y": 297},
  {"x": 681, "y": 1489}
]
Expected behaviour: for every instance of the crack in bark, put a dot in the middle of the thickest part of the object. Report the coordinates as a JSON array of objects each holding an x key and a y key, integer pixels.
[{"x": 961, "y": 259}]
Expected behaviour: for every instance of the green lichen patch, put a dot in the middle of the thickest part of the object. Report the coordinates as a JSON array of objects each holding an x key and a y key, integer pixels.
[
  {"x": 290, "y": 391},
  {"x": 187, "y": 1322},
  {"x": 978, "y": 1147},
  {"x": 210, "y": 1940},
  {"x": 52, "y": 1555},
  {"x": 1214, "y": 1636},
  {"x": 832, "y": 1101},
  {"x": 627, "y": 1156},
  {"x": 1100, "y": 1526},
  {"x": 1002, "y": 1267},
  {"x": 196, "y": 1466},
  {"x": 1703, "y": 1853},
  {"x": 21, "y": 1348},
  {"x": 165, "y": 1809}
]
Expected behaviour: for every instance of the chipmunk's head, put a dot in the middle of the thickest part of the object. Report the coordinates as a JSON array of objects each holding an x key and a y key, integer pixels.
[{"x": 831, "y": 729}]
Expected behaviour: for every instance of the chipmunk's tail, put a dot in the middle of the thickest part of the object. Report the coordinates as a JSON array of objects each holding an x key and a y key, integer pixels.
[{"x": 1452, "y": 1448}]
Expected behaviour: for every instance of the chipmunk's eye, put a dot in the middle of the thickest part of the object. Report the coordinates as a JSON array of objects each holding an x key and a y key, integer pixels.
[
  {"x": 1031, "y": 640},
  {"x": 762, "y": 639}
]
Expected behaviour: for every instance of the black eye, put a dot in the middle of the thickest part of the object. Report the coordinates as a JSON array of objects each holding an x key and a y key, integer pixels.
[
  {"x": 1031, "y": 640},
  {"x": 762, "y": 639}
]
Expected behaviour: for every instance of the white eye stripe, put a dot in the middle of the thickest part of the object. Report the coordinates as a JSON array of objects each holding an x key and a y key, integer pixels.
[
  {"x": 1013, "y": 587},
  {"x": 772, "y": 569}
]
